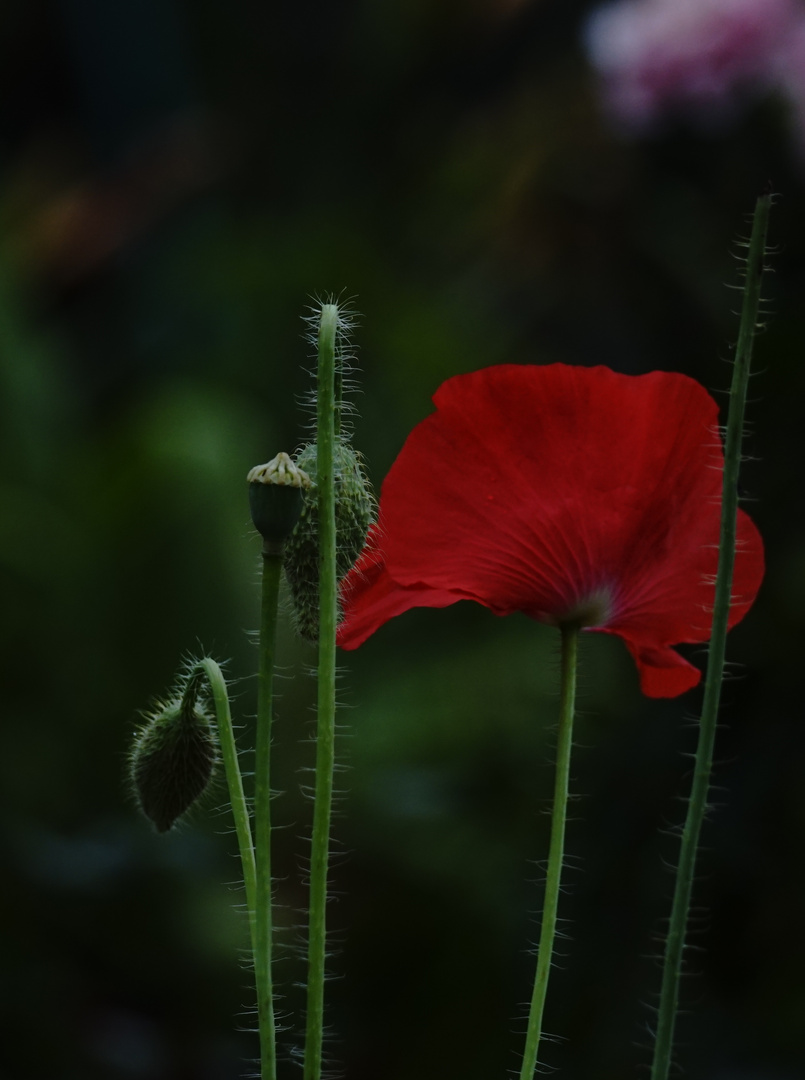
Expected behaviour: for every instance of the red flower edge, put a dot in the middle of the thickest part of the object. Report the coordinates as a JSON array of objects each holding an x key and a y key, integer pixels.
[{"x": 572, "y": 494}]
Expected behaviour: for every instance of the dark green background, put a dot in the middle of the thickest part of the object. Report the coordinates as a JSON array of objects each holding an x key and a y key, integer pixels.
[{"x": 177, "y": 180}]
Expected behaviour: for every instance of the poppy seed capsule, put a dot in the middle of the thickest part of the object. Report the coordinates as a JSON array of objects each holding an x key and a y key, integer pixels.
[
  {"x": 275, "y": 499},
  {"x": 172, "y": 761},
  {"x": 354, "y": 513}
]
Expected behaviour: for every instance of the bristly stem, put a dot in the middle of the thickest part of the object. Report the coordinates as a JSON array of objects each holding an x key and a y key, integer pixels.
[
  {"x": 570, "y": 638},
  {"x": 327, "y": 408},
  {"x": 234, "y": 782},
  {"x": 240, "y": 812},
  {"x": 263, "y": 943},
  {"x": 675, "y": 942},
  {"x": 338, "y": 394}
]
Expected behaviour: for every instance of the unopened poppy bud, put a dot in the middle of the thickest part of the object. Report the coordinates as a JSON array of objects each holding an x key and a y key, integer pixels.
[
  {"x": 354, "y": 513},
  {"x": 173, "y": 760},
  {"x": 275, "y": 499}
]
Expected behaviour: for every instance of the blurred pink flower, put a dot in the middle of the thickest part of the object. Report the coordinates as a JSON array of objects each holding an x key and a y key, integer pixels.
[
  {"x": 790, "y": 78},
  {"x": 695, "y": 56}
]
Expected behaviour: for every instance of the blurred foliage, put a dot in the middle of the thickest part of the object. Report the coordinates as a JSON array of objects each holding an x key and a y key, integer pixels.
[{"x": 177, "y": 181}]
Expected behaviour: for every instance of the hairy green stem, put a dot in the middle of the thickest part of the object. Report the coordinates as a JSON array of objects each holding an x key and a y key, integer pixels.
[
  {"x": 272, "y": 567},
  {"x": 234, "y": 781},
  {"x": 570, "y": 638},
  {"x": 675, "y": 942},
  {"x": 325, "y": 733}
]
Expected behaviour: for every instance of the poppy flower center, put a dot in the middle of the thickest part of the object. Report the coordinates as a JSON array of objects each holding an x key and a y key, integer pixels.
[{"x": 593, "y": 609}]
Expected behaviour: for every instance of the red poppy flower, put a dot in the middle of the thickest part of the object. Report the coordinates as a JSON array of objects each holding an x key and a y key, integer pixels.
[{"x": 575, "y": 495}]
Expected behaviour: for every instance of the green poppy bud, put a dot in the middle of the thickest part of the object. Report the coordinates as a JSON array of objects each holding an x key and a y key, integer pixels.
[
  {"x": 354, "y": 513},
  {"x": 173, "y": 760}
]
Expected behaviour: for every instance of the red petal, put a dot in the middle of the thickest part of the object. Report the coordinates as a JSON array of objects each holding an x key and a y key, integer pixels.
[
  {"x": 541, "y": 489},
  {"x": 370, "y": 597},
  {"x": 663, "y": 672},
  {"x": 678, "y": 609}
]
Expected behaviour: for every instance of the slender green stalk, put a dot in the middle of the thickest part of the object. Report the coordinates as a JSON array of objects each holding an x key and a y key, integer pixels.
[
  {"x": 237, "y": 799},
  {"x": 570, "y": 639},
  {"x": 675, "y": 942},
  {"x": 325, "y": 734},
  {"x": 272, "y": 566}
]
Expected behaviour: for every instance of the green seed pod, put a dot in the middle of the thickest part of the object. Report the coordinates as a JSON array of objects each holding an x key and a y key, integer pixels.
[
  {"x": 354, "y": 513},
  {"x": 173, "y": 760},
  {"x": 275, "y": 499}
]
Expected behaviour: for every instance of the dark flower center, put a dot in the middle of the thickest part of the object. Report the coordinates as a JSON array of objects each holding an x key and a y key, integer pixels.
[{"x": 594, "y": 609}]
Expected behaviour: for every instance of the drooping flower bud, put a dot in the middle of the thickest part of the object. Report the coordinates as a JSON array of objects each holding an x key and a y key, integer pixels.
[
  {"x": 354, "y": 513},
  {"x": 275, "y": 499},
  {"x": 173, "y": 759}
]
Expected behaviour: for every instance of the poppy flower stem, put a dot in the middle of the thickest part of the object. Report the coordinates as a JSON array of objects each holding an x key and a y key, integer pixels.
[
  {"x": 697, "y": 806},
  {"x": 327, "y": 409},
  {"x": 234, "y": 782},
  {"x": 570, "y": 639},
  {"x": 263, "y": 932}
]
